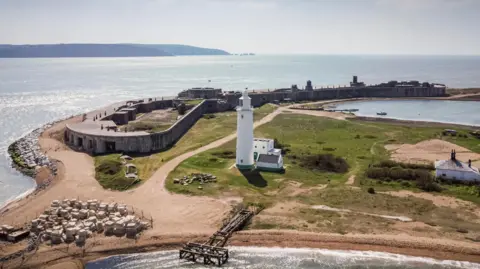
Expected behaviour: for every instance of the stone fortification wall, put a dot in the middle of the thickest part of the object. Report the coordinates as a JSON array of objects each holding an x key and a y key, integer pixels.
[
  {"x": 97, "y": 141},
  {"x": 261, "y": 98},
  {"x": 90, "y": 138}
]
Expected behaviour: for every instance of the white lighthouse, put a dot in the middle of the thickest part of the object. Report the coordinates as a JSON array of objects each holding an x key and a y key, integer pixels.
[{"x": 245, "y": 133}]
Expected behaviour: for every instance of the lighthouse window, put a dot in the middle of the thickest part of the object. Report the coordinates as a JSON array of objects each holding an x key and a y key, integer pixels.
[
  {"x": 241, "y": 161},
  {"x": 242, "y": 116}
]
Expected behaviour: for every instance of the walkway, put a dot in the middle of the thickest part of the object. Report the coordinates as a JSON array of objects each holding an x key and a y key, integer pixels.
[{"x": 172, "y": 213}]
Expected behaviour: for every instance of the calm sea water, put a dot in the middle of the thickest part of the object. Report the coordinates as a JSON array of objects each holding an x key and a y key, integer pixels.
[
  {"x": 283, "y": 258},
  {"x": 458, "y": 112},
  {"x": 36, "y": 91}
]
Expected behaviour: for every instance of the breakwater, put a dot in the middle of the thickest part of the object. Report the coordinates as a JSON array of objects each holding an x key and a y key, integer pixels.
[{"x": 27, "y": 157}]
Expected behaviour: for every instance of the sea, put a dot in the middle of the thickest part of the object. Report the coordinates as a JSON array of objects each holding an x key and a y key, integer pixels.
[
  {"x": 36, "y": 91},
  {"x": 447, "y": 111},
  {"x": 282, "y": 258}
]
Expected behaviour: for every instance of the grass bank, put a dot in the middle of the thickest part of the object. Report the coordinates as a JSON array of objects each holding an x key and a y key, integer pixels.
[
  {"x": 359, "y": 143},
  {"x": 206, "y": 130},
  {"x": 110, "y": 173}
]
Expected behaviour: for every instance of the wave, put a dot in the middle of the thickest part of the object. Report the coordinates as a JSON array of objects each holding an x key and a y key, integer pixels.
[
  {"x": 17, "y": 198},
  {"x": 262, "y": 257}
]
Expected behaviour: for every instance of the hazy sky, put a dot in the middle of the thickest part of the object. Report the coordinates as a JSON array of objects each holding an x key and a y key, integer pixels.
[{"x": 261, "y": 26}]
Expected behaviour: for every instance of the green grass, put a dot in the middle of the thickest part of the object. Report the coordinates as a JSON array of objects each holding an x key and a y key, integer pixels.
[
  {"x": 193, "y": 102},
  {"x": 110, "y": 173},
  {"x": 205, "y": 131},
  {"x": 359, "y": 143},
  {"x": 463, "y": 91},
  {"x": 202, "y": 133}
]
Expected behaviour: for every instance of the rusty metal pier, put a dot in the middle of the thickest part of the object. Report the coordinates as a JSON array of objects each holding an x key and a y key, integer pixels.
[{"x": 213, "y": 251}]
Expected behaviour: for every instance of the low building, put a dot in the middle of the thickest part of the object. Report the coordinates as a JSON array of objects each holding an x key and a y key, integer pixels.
[
  {"x": 262, "y": 146},
  {"x": 266, "y": 156},
  {"x": 270, "y": 162},
  {"x": 456, "y": 170}
]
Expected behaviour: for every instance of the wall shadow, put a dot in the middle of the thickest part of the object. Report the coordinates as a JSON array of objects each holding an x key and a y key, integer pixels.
[{"x": 255, "y": 178}]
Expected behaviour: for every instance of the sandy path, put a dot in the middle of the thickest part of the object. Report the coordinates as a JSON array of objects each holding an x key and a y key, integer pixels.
[
  {"x": 429, "y": 150},
  {"x": 351, "y": 180},
  {"x": 172, "y": 213}
]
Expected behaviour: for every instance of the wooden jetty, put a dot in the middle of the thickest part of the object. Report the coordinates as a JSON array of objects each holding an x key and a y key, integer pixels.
[{"x": 213, "y": 252}]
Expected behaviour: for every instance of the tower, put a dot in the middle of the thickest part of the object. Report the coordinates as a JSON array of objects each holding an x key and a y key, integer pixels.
[{"x": 244, "y": 157}]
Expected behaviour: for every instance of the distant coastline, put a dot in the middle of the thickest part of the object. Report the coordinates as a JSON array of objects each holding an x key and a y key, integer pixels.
[{"x": 104, "y": 50}]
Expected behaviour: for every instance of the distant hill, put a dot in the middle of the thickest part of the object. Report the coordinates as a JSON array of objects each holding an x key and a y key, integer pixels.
[
  {"x": 184, "y": 50},
  {"x": 102, "y": 50}
]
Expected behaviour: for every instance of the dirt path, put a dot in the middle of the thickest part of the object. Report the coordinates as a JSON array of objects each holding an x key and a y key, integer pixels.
[
  {"x": 172, "y": 213},
  {"x": 351, "y": 180},
  {"x": 430, "y": 151}
]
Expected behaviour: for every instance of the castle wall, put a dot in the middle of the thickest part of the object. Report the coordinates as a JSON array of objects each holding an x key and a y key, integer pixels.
[
  {"x": 259, "y": 99},
  {"x": 143, "y": 142},
  {"x": 97, "y": 144}
]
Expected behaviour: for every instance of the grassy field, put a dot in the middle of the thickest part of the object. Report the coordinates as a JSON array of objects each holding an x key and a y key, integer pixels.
[
  {"x": 359, "y": 143},
  {"x": 205, "y": 131},
  {"x": 193, "y": 102},
  {"x": 463, "y": 91},
  {"x": 152, "y": 125},
  {"x": 110, "y": 173}
]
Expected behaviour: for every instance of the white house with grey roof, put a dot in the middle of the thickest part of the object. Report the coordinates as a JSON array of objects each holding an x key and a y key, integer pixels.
[{"x": 456, "y": 170}]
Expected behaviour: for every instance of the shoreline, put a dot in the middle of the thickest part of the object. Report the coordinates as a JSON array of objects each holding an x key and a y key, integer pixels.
[
  {"x": 394, "y": 244},
  {"x": 163, "y": 239}
]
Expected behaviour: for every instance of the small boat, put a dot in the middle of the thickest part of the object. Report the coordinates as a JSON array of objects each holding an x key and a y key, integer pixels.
[{"x": 381, "y": 113}]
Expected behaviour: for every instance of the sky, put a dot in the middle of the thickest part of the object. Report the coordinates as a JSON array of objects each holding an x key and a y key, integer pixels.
[{"x": 436, "y": 27}]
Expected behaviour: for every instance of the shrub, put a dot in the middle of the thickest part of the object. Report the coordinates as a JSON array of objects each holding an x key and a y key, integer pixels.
[
  {"x": 325, "y": 162},
  {"x": 371, "y": 190},
  {"x": 182, "y": 109},
  {"x": 357, "y": 136},
  {"x": 209, "y": 116},
  {"x": 370, "y": 136},
  {"x": 329, "y": 149},
  {"x": 427, "y": 184},
  {"x": 390, "y": 164},
  {"x": 109, "y": 167},
  {"x": 284, "y": 147},
  {"x": 225, "y": 154}
]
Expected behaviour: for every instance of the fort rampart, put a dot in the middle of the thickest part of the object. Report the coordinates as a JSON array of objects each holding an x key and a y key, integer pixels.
[{"x": 98, "y": 135}]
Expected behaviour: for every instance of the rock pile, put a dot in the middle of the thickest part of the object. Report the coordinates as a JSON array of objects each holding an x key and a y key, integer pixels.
[
  {"x": 72, "y": 220},
  {"x": 27, "y": 155},
  {"x": 200, "y": 177}
]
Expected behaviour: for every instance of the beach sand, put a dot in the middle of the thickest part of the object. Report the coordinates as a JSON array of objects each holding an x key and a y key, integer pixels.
[{"x": 441, "y": 249}]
